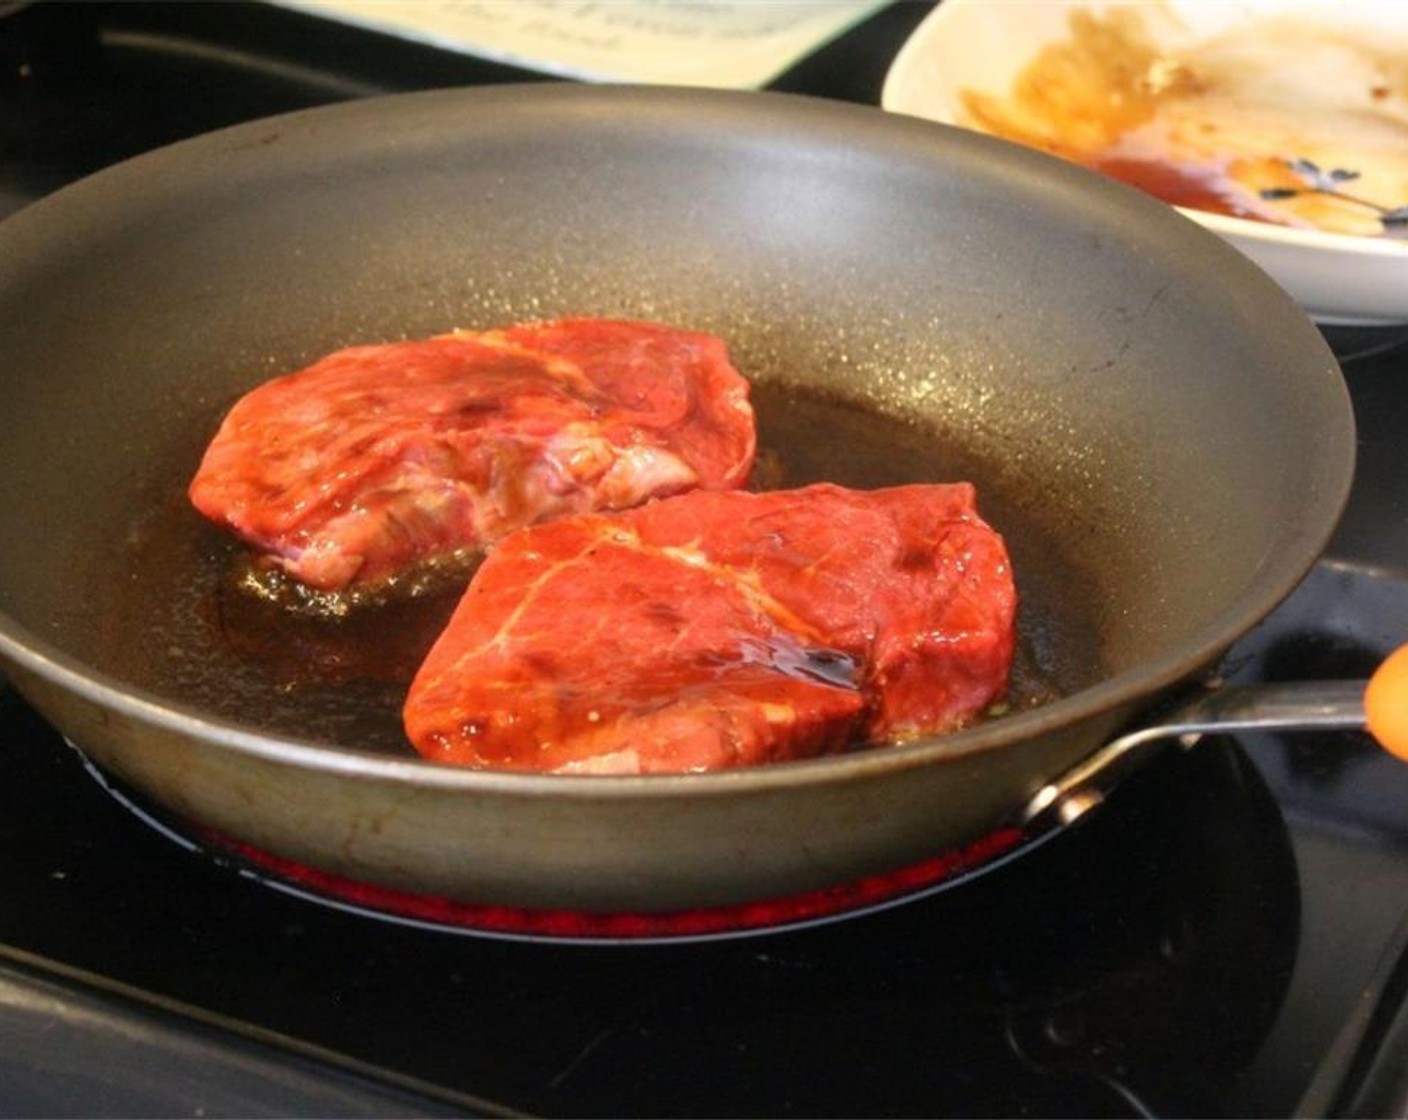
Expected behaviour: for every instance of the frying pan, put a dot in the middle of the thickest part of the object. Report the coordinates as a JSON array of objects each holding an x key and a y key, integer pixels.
[{"x": 1162, "y": 435}]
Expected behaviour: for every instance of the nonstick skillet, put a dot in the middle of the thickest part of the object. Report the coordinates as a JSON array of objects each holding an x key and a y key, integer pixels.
[{"x": 1161, "y": 434}]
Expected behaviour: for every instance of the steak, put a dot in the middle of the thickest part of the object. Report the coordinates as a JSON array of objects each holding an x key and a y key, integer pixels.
[
  {"x": 722, "y": 629},
  {"x": 377, "y": 458}
]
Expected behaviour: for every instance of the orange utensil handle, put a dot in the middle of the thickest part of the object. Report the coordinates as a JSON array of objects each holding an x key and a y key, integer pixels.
[{"x": 1386, "y": 703}]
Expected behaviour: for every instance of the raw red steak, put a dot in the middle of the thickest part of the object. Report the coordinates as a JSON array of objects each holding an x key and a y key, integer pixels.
[
  {"x": 713, "y": 630},
  {"x": 377, "y": 457}
]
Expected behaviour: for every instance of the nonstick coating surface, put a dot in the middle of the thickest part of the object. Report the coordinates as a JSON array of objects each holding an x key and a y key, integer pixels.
[{"x": 1168, "y": 423}]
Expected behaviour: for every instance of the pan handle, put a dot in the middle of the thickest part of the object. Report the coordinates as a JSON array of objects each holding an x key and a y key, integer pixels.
[
  {"x": 1299, "y": 706},
  {"x": 1379, "y": 707}
]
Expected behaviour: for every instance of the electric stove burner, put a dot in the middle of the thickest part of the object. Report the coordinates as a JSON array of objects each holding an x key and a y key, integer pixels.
[{"x": 868, "y": 895}]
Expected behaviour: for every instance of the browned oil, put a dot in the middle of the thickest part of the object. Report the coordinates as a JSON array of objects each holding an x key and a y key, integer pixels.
[{"x": 174, "y": 620}]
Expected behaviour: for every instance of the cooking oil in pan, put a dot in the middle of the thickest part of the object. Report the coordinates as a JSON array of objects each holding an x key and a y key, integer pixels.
[{"x": 170, "y": 617}]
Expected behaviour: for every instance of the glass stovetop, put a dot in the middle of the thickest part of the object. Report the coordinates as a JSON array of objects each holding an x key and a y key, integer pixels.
[{"x": 1222, "y": 937}]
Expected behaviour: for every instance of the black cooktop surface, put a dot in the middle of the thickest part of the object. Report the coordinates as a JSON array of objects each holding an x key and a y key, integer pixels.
[{"x": 1222, "y": 937}]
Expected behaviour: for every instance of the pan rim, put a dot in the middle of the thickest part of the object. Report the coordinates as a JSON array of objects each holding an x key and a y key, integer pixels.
[{"x": 1129, "y": 688}]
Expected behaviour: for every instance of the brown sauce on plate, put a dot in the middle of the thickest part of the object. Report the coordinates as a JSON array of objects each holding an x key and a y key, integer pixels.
[{"x": 1285, "y": 121}]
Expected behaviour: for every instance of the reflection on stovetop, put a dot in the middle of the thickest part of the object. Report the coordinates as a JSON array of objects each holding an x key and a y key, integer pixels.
[
  {"x": 1346, "y": 804},
  {"x": 1339, "y": 625},
  {"x": 1159, "y": 958}
]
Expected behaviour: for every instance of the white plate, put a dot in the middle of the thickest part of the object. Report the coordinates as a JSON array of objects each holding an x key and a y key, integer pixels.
[{"x": 1306, "y": 72}]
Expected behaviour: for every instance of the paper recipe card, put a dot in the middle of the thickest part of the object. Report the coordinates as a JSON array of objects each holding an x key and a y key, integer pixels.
[{"x": 740, "y": 45}]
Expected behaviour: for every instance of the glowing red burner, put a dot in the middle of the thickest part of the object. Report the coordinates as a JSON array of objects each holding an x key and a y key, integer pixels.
[
  {"x": 868, "y": 894},
  {"x": 876, "y": 892}
]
